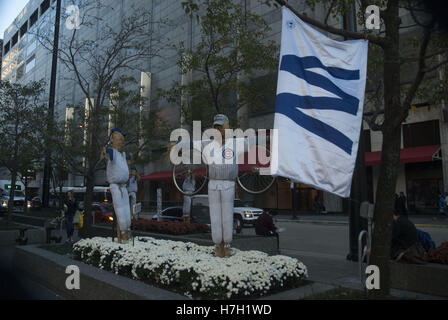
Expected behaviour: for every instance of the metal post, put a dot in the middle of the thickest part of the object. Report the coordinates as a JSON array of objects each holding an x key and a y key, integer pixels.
[
  {"x": 47, "y": 167},
  {"x": 293, "y": 194}
]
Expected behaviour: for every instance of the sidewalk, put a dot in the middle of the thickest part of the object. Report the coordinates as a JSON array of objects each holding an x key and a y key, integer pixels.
[{"x": 337, "y": 219}]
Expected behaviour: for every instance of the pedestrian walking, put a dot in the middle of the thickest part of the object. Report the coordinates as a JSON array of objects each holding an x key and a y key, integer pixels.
[
  {"x": 441, "y": 204},
  {"x": 318, "y": 205},
  {"x": 70, "y": 208},
  {"x": 445, "y": 204}
]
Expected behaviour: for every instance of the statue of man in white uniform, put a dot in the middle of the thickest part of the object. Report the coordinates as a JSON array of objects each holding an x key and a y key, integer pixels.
[
  {"x": 189, "y": 187},
  {"x": 117, "y": 173},
  {"x": 132, "y": 187},
  {"x": 222, "y": 155}
]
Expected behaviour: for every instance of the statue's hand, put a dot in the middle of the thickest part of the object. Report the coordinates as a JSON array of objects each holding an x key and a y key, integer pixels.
[{"x": 171, "y": 146}]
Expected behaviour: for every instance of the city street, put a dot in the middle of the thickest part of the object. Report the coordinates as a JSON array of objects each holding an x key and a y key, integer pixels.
[
  {"x": 329, "y": 239},
  {"x": 322, "y": 244}
]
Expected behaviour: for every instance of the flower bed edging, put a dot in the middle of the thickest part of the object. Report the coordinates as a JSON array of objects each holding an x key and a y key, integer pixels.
[
  {"x": 193, "y": 270},
  {"x": 8, "y": 237},
  {"x": 170, "y": 227},
  {"x": 49, "y": 269}
]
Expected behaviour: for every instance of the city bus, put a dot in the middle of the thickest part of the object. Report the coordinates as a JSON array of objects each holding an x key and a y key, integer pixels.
[{"x": 101, "y": 194}]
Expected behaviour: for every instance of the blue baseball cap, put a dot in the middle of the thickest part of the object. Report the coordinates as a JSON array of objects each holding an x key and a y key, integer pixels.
[
  {"x": 220, "y": 119},
  {"x": 118, "y": 130}
]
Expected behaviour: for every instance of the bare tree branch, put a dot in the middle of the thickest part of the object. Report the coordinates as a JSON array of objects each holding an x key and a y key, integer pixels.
[{"x": 380, "y": 41}]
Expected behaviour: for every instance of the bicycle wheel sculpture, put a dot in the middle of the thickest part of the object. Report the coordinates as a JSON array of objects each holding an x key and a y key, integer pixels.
[
  {"x": 255, "y": 179},
  {"x": 182, "y": 171}
]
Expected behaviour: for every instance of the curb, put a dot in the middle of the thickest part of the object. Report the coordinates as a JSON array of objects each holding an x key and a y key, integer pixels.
[
  {"x": 314, "y": 221},
  {"x": 301, "y": 293},
  {"x": 419, "y": 225},
  {"x": 431, "y": 226}
]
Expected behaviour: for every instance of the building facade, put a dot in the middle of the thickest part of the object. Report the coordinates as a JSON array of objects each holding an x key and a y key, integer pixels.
[{"x": 25, "y": 59}]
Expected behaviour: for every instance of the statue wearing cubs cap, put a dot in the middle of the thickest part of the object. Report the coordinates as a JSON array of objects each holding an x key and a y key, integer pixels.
[
  {"x": 221, "y": 193},
  {"x": 221, "y": 156},
  {"x": 117, "y": 173}
]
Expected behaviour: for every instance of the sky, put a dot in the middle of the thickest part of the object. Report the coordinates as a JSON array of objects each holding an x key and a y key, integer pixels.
[{"x": 9, "y": 10}]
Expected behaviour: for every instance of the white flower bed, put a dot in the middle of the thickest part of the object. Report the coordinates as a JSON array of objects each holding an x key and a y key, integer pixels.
[{"x": 192, "y": 269}]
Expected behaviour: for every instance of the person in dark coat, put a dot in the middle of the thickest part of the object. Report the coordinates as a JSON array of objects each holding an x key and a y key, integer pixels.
[
  {"x": 70, "y": 208},
  {"x": 401, "y": 204},
  {"x": 404, "y": 235},
  {"x": 264, "y": 226}
]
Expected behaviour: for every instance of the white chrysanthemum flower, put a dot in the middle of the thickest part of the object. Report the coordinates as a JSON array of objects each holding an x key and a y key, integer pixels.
[{"x": 246, "y": 270}]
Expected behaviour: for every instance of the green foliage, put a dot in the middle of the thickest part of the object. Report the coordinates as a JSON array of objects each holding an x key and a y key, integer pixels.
[
  {"x": 21, "y": 129},
  {"x": 233, "y": 51}
]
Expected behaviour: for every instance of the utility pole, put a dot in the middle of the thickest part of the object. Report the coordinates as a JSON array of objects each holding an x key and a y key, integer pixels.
[{"x": 54, "y": 63}]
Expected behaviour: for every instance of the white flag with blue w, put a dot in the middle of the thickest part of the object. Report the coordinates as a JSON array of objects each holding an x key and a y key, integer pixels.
[{"x": 319, "y": 106}]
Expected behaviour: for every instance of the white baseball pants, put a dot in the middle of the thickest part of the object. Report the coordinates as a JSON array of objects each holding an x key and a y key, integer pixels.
[
  {"x": 221, "y": 195},
  {"x": 120, "y": 200}
]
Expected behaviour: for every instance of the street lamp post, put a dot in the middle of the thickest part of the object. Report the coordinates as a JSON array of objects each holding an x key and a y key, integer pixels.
[{"x": 47, "y": 166}]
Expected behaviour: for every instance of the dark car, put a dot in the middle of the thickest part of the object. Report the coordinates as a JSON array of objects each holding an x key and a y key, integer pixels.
[
  {"x": 103, "y": 212},
  {"x": 198, "y": 214},
  {"x": 170, "y": 213},
  {"x": 36, "y": 204}
]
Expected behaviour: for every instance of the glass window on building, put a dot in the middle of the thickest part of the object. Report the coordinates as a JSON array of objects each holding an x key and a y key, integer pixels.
[
  {"x": 19, "y": 71},
  {"x": 6, "y": 49},
  {"x": 30, "y": 64},
  {"x": 34, "y": 17},
  {"x": 31, "y": 47},
  {"x": 23, "y": 29},
  {"x": 15, "y": 39},
  {"x": 44, "y": 6},
  {"x": 421, "y": 134},
  {"x": 423, "y": 179}
]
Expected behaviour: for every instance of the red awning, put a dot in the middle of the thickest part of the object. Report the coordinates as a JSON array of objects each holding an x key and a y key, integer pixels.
[
  {"x": 164, "y": 175},
  {"x": 167, "y": 175},
  {"x": 407, "y": 155},
  {"x": 242, "y": 168}
]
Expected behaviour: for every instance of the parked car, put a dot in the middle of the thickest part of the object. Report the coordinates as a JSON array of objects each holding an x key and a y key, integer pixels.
[
  {"x": 36, "y": 204},
  {"x": 103, "y": 212},
  {"x": 170, "y": 213},
  {"x": 243, "y": 214},
  {"x": 19, "y": 201}
]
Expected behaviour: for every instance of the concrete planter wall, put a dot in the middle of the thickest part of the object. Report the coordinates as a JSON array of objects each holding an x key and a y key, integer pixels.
[
  {"x": 48, "y": 269},
  {"x": 34, "y": 236},
  {"x": 430, "y": 278}
]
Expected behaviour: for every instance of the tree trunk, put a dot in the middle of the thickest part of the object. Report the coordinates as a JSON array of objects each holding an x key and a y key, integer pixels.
[
  {"x": 384, "y": 205},
  {"x": 390, "y": 158},
  {"x": 61, "y": 198},
  {"x": 88, "y": 198},
  {"x": 11, "y": 195},
  {"x": 25, "y": 205}
]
